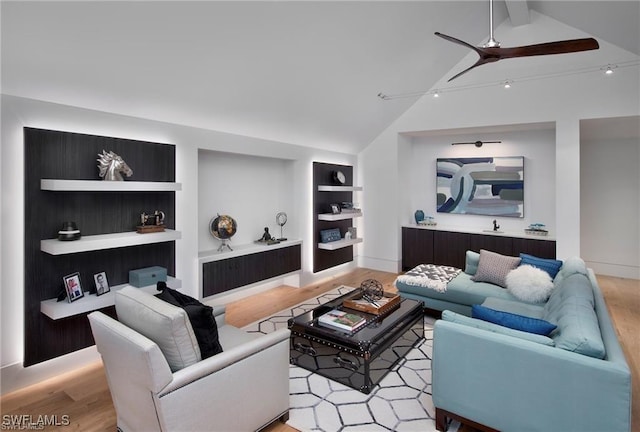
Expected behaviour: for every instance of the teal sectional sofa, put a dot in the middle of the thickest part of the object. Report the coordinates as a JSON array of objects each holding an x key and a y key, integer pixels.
[
  {"x": 462, "y": 292},
  {"x": 574, "y": 378}
]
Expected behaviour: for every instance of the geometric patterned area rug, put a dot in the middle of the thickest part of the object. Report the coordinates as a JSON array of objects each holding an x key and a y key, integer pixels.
[{"x": 400, "y": 402}]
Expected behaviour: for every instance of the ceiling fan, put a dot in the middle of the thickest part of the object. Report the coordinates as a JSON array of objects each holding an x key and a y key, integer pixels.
[
  {"x": 491, "y": 52},
  {"x": 476, "y": 143}
]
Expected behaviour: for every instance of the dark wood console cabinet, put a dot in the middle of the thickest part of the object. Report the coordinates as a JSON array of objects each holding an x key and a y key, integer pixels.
[
  {"x": 428, "y": 246},
  {"x": 226, "y": 274}
]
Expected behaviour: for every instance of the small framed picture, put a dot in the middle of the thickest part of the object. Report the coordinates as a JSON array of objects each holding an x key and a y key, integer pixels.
[
  {"x": 73, "y": 286},
  {"x": 335, "y": 208},
  {"x": 102, "y": 285}
]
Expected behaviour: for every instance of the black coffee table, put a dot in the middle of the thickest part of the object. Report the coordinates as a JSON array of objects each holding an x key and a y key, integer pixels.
[{"x": 362, "y": 358}]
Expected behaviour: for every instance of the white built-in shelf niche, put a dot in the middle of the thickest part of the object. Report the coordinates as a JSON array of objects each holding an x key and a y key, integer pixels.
[
  {"x": 106, "y": 241},
  {"x": 339, "y": 244},
  {"x": 338, "y": 216},
  {"x": 55, "y": 309},
  {"x": 328, "y": 188},
  {"x": 107, "y": 186}
]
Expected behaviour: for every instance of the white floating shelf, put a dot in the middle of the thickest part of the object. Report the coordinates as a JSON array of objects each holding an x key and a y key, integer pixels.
[
  {"x": 243, "y": 249},
  {"x": 106, "y": 241},
  {"x": 326, "y": 188},
  {"x": 339, "y": 244},
  {"x": 107, "y": 186},
  {"x": 55, "y": 309},
  {"x": 338, "y": 216}
]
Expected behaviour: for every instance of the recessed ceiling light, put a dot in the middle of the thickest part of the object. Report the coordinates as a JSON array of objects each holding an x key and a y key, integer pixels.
[
  {"x": 507, "y": 84},
  {"x": 436, "y": 94}
]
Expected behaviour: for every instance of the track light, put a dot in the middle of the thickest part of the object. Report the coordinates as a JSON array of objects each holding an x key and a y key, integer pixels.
[{"x": 608, "y": 70}]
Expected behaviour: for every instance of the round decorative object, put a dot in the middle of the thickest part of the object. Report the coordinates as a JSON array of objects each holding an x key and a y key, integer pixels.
[
  {"x": 339, "y": 177},
  {"x": 372, "y": 289},
  {"x": 281, "y": 219},
  {"x": 69, "y": 232},
  {"x": 223, "y": 227},
  {"x": 419, "y": 216}
]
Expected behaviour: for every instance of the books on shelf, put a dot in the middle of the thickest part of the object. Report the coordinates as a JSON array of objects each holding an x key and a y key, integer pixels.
[{"x": 342, "y": 320}]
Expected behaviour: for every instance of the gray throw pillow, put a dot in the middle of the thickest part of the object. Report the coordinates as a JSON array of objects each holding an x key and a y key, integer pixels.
[{"x": 494, "y": 268}]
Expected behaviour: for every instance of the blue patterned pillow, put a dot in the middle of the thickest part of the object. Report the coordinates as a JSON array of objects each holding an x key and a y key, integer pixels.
[
  {"x": 517, "y": 322},
  {"x": 551, "y": 266}
]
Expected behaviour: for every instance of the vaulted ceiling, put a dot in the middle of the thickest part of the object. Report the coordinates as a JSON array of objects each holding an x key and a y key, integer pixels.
[{"x": 301, "y": 72}]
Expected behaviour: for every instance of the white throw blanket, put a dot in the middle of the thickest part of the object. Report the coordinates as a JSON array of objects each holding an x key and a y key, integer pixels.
[{"x": 430, "y": 276}]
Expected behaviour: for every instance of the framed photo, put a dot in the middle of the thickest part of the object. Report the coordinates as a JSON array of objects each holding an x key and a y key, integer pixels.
[
  {"x": 73, "y": 286},
  {"x": 102, "y": 285},
  {"x": 335, "y": 208}
]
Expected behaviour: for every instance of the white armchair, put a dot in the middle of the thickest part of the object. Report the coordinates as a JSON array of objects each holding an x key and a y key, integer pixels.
[{"x": 244, "y": 388}]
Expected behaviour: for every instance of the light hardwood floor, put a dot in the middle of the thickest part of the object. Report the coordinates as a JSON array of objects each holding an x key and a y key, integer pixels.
[{"x": 84, "y": 396}]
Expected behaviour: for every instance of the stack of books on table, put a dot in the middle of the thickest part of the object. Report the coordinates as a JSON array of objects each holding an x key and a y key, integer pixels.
[{"x": 342, "y": 320}]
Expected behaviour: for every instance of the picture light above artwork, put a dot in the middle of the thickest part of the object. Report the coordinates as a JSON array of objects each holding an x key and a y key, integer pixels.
[{"x": 476, "y": 143}]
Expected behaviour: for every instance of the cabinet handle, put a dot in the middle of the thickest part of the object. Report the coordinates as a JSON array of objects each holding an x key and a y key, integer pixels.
[{"x": 305, "y": 349}]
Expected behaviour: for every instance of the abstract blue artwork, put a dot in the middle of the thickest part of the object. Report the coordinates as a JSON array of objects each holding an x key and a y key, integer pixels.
[{"x": 492, "y": 186}]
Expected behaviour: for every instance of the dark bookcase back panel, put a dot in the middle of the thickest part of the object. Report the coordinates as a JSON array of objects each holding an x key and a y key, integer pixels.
[{"x": 73, "y": 156}]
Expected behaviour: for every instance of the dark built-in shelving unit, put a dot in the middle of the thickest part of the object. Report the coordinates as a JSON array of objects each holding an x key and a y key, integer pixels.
[
  {"x": 54, "y": 155},
  {"x": 326, "y": 192}
]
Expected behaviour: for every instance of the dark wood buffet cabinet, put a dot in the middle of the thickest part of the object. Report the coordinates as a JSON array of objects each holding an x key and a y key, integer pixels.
[
  {"x": 221, "y": 274},
  {"x": 431, "y": 246}
]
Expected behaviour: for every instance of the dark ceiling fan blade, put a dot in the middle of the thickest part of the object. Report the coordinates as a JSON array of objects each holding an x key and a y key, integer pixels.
[
  {"x": 480, "y": 62},
  {"x": 494, "y": 54},
  {"x": 457, "y": 41},
  {"x": 559, "y": 47}
]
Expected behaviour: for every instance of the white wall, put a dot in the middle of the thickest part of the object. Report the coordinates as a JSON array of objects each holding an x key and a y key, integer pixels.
[
  {"x": 19, "y": 112},
  {"x": 610, "y": 206},
  {"x": 562, "y": 100},
  {"x": 250, "y": 189},
  {"x": 536, "y": 146}
]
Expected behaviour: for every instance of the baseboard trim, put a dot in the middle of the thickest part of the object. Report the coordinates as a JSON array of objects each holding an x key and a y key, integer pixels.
[
  {"x": 379, "y": 264},
  {"x": 616, "y": 270}
]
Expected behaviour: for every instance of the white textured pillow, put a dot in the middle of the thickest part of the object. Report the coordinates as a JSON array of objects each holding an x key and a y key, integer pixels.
[
  {"x": 530, "y": 284},
  {"x": 165, "y": 324},
  {"x": 494, "y": 267}
]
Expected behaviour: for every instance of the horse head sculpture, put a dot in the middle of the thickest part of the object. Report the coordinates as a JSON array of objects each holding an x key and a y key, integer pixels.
[{"x": 111, "y": 166}]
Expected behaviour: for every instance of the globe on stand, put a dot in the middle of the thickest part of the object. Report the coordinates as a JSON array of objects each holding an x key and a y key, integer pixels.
[{"x": 223, "y": 227}]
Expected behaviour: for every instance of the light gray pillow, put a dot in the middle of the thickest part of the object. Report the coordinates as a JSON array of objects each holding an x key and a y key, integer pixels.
[
  {"x": 165, "y": 324},
  {"x": 494, "y": 268}
]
